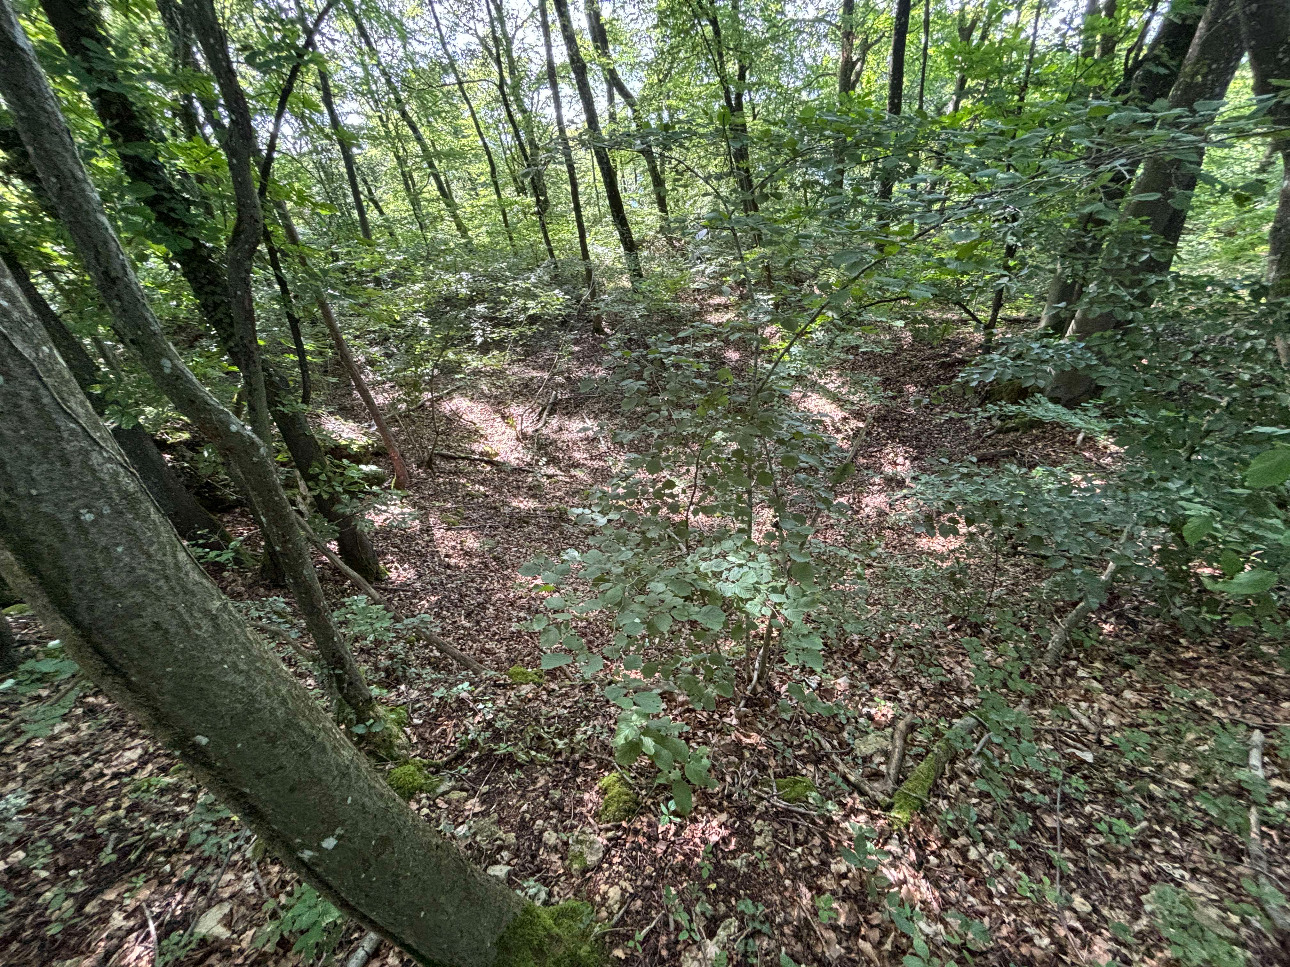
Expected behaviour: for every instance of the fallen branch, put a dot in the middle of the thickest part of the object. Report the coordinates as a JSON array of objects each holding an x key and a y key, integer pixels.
[
  {"x": 365, "y": 950},
  {"x": 356, "y": 579},
  {"x": 1053, "y": 653},
  {"x": 914, "y": 792},
  {"x": 449, "y": 455},
  {"x": 1258, "y": 856},
  {"x": 897, "y": 761}
]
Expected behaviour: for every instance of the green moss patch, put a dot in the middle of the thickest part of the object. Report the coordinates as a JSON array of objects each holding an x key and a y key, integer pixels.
[
  {"x": 620, "y": 801},
  {"x": 550, "y": 937},
  {"x": 411, "y": 778},
  {"x": 520, "y": 675},
  {"x": 794, "y": 789}
]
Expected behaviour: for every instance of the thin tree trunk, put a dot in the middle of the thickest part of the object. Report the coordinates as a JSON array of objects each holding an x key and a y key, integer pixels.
[
  {"x": 80, "y": 31},
  {"x": 43, "y": 130},
  {"x": 427, "y": 155},
  {"x": 613, "y": 197},
  {"x": 234, "y": 715},
  {"x": 293, "y": 320},
  {"x": 248, "y": 225},
  {"x": 511, "y": 94},
  {"x": 474, "y": 120},
  {"x": 401, "y": 476},
  {"x": 346, "y": 153},
  {"x": 570, "y": 168},
  {"x": 1161, "y": 194},
  {"x": 896, "y": 76},
  {"x": 600, "y": 38},
  {"x": 922, "y": 70}
]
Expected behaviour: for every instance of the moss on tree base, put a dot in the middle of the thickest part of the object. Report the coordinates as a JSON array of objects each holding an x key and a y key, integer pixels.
[{"x": 557, "y": 936}]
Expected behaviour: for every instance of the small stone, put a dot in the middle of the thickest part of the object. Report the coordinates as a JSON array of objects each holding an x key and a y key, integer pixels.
[
  {"x": 499, "y": 870},
  {"x": 211, "y": 923},
  {"x": 585, "y": 851},
  {"x": 550, "y": 839}
]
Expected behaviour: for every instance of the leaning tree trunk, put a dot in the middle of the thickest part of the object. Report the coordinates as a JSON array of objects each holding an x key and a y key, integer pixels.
[
  {"x": 190, "y": 519},
  {"x": 346, "y": 152},
  {"x": 1150, "y": 80},
  {"x": 566, "y": 149},
  {"x": 401, "y": 105},
  {"x": 600, "y": 37},
  {"x": 1265, "y": 25},
  {"x": 1160, "y": 196},
  {"x": 49, "y": 142},
  {"x": 479, "y": 131},
  {"x": 613, "y": 197},
  {"x": 79, "y": 29},
  {"x": 102, "y": 569}
]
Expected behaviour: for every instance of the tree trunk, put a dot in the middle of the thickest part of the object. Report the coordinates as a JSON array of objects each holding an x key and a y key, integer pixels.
[
  {"x": 601, "y": 40},
  {"x": 192, "y": 521},
  {"x": 613, "y": 197},
  {"x": 896, "y": 77},
  {"x": 511, "y": 94},
  {"x": 922, "y": 70},
  {"x": 161, "y": 640},
  {"x": 1150, "y": 80},
  {"x": 8, "y": 647},
  {"x": 1265, "y": 25},
  {"x": 427, "y": 155},
  {"x": 293, "y": 320},
  {"x": 566, "y": 149},
  {"x": 346, "y": 152},
  {"x": 474, "y": 120},
  {"x": 80, "y": 32},
  {"x": 248, "y": 224},
  {"x": 1160, "y": 196},
  {"x": 43, "y": 130},
  {"x": 846, "y": 49}
]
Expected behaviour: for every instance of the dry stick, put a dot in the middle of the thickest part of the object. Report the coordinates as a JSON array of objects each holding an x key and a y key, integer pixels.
[
  {"x": 356, "y": 579},
  {"x": 898, "y": 739},
  {"x": 1258, "y": 856},
  {"x": 1053, "y": 653}
]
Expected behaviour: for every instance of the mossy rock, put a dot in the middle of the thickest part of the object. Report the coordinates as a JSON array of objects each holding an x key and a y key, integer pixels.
[
  {"x": 411, "y": 778},
  {"x": 559, "y": 936},
  {"x": 620, "y": 801},
  {"x": 519, "y": 675},
  {"x": 794, "y": 789}
]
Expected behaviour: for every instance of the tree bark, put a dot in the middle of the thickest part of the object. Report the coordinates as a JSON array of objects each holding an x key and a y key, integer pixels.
[
  {"x": 896, "y": 77},
  {"x": 79, "y": 29},
  {"x": 511, "y": 94},
  {"x": 600, "y": 39},
  {"x": 1161, "y": 195},
  {"x": 1265, "y": 25},
  {"x": 40, "y": 123},
  {"x": 1147, "y": 82},
  {"x": 190, "y": 519},
  {"x": 474, "y": 120},
  {"x": 101, "y": 568},
  {"x": 613, "y": 197},
  {"x": 566, "y": 149}
]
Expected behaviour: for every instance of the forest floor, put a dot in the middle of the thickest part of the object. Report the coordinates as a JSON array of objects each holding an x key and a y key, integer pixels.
[{"x": 110, "y": 854}]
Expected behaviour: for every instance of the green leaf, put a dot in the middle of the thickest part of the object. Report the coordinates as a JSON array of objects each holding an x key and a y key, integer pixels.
[
  {"x": 711, "y": 617},
  {"x": 684, "y": 796},
  {"x": 1196, "y": 528},
  {"x": 1254, "y": 581},
  {"x": 1269, "y": 469},
  {"x": 650, "y": 702},
  {"x": 554, "y": 659}
]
